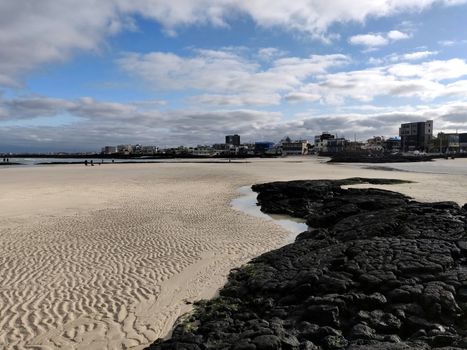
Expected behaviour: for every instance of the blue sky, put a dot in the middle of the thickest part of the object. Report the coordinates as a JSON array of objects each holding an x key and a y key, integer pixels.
[{"x": 78, "y": 75}]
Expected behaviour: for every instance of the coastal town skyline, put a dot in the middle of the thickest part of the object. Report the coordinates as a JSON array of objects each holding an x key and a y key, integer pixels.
[{"x": 79, "y": 75}]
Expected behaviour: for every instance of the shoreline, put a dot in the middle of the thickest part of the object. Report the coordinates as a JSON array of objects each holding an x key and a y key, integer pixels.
[{"x": 170, "y": 161}]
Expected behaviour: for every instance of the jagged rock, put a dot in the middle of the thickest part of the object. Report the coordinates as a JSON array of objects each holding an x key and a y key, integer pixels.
[
  {"x": 308, "y": 345},
  {"x": 356, "y": 157},
  {"x": 290, "y": 343},
  {"x": 362, "y": 331},
  {"x": 377, "y": 271},
  {"x": 334, "y": 342},
  {"x": 267, "y": 342}
]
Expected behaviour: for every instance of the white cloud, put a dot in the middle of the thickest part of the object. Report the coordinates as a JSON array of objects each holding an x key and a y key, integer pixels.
[
  {"x": 369, "y": 40},
  {"x": 451, "y": 42},
  {"x": 33, "y": 33},
  {"x": 226, "y": 79},
  {"x": 433, "y": 70},
  {"x": 447, "y": 118},
  {"x": 269, "y": 53},
  {"x": 304, "y": 15},
  {"x": 426, "y": 81},
  {"x": 97, "y": 123},
  {"x": 33, "y": 107},
  {"x": 397, "y": 35},
  {"x": 393, "y": 58},
  {"x": 374, "y": 40},
  {"x": 258, "y": 99},
  {"x": 229, "y": 79},
  {"x": 297, "y": 96},
  {"x": 418, "y": 55}
]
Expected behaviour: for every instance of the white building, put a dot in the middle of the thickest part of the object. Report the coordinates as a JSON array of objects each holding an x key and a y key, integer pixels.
[{"x": 299, "y": 147}]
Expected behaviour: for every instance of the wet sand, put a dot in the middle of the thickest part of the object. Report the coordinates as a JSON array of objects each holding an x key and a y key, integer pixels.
[{"x": 108, "y": 257}]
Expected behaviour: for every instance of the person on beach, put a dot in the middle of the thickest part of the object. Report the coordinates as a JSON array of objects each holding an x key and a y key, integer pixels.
[
  {"x": 92, "y": 162},
  {"x": 86, "y": 162}
]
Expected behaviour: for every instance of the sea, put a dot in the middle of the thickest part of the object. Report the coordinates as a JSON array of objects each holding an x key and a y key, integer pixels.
[
  {"x": 41, "y": 161},
  {"x": 50, "y": 161}
]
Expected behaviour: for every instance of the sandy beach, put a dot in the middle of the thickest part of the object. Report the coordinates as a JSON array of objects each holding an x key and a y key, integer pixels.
[{"x": 108, "y": 257}]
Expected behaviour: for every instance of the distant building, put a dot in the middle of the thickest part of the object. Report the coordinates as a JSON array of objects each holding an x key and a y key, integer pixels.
[
  {"x": 233, "y": 140},
  {"x": 206, "y": 151},
  {"x": 463, "y": 142},
  {"x": 262, "y": 147},
  {"x": 416, "y": 136},
  {"x": 353, "y": 146},
  {"x": 297, "y": 148},
  {"x": 334, "y": 145},
  {"x": 392, "y": 144},
  {"x": 226, "y": 149},
  {"x": 109, "y": 150},
  {"x": 125, "y": 149},
  {"x": 247, "y": 149},
  {"x": 149, "y": 150},
  {"x": 320, "y": 144},
  {"x": 375, "y": 144},
  {"x": 220, "y": 146},
  {"x": 448, "y": 143}
]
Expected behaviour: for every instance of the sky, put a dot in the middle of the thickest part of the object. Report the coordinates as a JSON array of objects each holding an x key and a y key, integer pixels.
[{"x": 77, "y": 75}]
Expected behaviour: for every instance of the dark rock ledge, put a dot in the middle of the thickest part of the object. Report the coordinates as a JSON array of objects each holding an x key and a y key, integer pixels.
[{"x": 378, "y": 271}]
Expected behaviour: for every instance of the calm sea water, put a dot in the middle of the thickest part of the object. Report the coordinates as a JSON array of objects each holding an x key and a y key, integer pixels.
[
  {"x": 35, "y": 161},
  {"x": 438, "y": 166},
  {"x": 247, "y": 204},
  {"x": 38, "y": 161}
]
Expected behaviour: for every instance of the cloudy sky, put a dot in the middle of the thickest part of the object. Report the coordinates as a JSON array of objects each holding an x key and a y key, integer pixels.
[{"x": 81, "y": 74}]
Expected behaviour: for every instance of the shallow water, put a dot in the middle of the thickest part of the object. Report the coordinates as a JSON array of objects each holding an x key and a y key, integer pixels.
[
  {"x": 247, "y": 204},
  {"x": 439, "y": 166},
  {"x": 37, "y": 161},
  {"x": 54, "y": 161}
]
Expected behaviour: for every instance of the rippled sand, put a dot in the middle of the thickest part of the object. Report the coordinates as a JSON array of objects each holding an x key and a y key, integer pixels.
[{"x": 108, "y": 257}]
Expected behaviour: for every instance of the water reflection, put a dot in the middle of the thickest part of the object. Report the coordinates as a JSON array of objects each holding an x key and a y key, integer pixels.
[{"x": 247, "y": 204}]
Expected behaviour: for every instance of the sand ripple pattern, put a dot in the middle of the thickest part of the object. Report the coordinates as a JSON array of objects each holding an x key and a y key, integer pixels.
[{"x": 117, "y": 278}]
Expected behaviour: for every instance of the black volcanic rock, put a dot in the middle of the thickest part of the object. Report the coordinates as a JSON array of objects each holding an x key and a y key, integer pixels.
[
  {"x": 377, "y": 271},
  {"x": 356, "y": 157}
]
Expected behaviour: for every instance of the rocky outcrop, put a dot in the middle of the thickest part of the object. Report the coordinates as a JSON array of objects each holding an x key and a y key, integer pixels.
[
  {"x": 356, "y": 157},
  {"x": 376, "y": 271}
]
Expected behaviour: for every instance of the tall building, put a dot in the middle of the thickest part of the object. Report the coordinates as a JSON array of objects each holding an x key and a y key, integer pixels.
[
  {"x": 416, "y": 136},
  {"x": 233, "y": 140}
]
